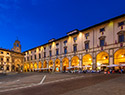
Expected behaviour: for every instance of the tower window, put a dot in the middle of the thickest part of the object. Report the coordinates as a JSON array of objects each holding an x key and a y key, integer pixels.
[{"x": 17, "y": 45}]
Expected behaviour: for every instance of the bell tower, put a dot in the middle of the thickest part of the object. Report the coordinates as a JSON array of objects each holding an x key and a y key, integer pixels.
[{"x": 17, "y": 46}]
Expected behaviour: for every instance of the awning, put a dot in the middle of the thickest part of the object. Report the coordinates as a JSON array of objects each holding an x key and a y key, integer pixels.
[
  {"x": 113, "y": 65},
  {"x": 122, "y": 65}
]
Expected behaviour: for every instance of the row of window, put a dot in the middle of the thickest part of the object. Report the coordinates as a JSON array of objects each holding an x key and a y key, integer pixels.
[
  {"x": 102, "y": 43},
  {"x": 1, "y": 59},
  {"x": 3, "y": 53},
  {"x": 121, "y": 38}
]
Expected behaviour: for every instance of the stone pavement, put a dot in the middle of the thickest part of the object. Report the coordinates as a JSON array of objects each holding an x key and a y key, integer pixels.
[{"x": 111, "y": 87}]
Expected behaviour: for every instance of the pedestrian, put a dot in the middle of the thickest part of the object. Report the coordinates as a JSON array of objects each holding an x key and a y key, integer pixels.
[{"x": 108, "y": 72}]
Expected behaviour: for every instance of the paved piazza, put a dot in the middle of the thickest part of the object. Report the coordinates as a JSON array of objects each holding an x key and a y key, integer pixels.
[{"x": 62, "y": 84}]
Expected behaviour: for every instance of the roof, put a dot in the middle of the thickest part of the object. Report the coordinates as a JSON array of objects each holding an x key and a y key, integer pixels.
[
  {"x": 123, "y": 15},
  {"x": 10, "y": 51}
]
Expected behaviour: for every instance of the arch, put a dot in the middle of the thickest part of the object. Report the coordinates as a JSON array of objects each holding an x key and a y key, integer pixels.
[
  {"x": 102, "y": 60},
  {"x": 28, "y": 67},
  {"x": 75, "y": 61},
  {"x": 119, "y": 57},
  {"x": 40, "y": 65},
  {"x": 57, "y": 65},
  {"x": 50, "y": 65},
  {"x": 87, "y": 61},
  {"x": 17, "y": 63},
  {"x": 65, "y": 63},
  {"x": 31, "y": 67},
  {"x": 35, "y": 66},
  {"x": 45, "y": 64},
  {"x": 24, "y": 67}
]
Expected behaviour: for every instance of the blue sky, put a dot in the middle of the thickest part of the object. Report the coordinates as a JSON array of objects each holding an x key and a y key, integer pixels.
[{"x": 35, "y": 22}]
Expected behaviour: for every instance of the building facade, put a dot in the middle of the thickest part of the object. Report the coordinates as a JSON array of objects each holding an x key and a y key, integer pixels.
[
  {"x": 92, "y": 48},
  {"x": 11, "y": 60}
]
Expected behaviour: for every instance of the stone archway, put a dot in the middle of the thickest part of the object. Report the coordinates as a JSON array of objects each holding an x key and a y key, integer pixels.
[
  {"x": 87, "y": 62},
  {"x": 57, "y": 65},
  {"x": 102, "y": 60},
  {"x": 119, "y": 57},
  {"x": 65, "y": 63},
  {"x": 40, "y": 65},
  {"x": 31, "y": 67},
  {"x": 75, "y": 61},
  {"x": 50, "y": 65},
  {"x": 18, "y": 65}
]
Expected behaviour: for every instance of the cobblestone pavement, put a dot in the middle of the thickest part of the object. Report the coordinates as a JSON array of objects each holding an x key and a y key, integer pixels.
[
  {"x": 75, "y": 84},
  {"x": 111, "y": 87}
]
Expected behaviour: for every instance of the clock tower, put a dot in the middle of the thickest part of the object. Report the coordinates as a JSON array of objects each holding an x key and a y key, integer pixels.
[{"x": 17, "y": 46}]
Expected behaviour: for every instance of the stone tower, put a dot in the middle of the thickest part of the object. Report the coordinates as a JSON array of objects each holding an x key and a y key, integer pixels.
[{"x": 17, "y": 46}]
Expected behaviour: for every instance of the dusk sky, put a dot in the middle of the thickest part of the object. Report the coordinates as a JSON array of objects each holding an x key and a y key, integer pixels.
[{"x": 35, "y": 22}]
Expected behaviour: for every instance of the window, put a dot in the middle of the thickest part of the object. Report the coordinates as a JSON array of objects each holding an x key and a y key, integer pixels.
[
  {"x": 102, "y": 42},
  {"x": 57, "y": 45},
  {"x": 7, "y": 59},
  {"x": 57, "y": 51},
  {"x": 7, "y": 53},
  {"x": 44, "y": 54},
  {"x": 7, "y": 67},
  {"x": 121, "y": 23},
  {"x": 31, "y": 58},
  {"x": 39, "y": 49},
  {"x": 65, "y": 42},
  {"x": 75, "y": 39},
  {"x": 17, "y": 45},
  {"x": 121, "y": 38},
  {"x": 86, "y": 35},
  {"x": 39, "y": 55},
  {"x": 102, "y": 29},
  {"x": 65, "y": 50},
  {"x": 44, "y": 48},
  {"x": 50, "y": 46},
  {"x": 35, "y": 51},
  {"x": 86, "y": 46},
  {"x": 50, "y": 53},
  {"x": 1, "y": 67},
  {"x": 1, "y": 59},
  {"x": 35, "y": 57},
  {"x": 75, "y": 48},
  {"x": 1, "y": 52}
]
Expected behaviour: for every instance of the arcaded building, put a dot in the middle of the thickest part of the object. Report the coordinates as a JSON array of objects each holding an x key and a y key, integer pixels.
[
  {"x": 11, "y": 60},
  {"x": 95, "y": 47}
]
